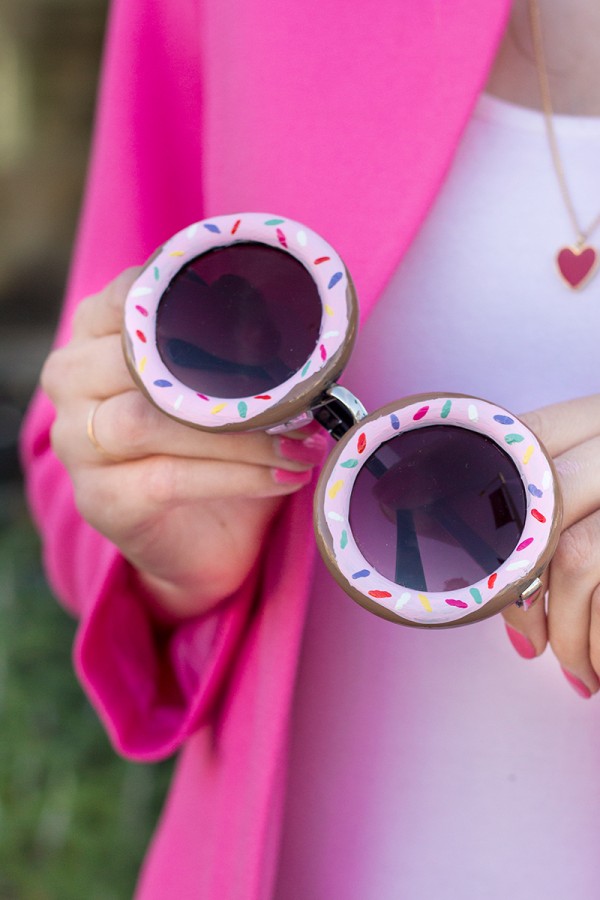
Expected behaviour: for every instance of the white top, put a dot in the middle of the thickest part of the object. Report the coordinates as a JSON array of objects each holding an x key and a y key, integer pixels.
[{"x": 438, "y": 765}]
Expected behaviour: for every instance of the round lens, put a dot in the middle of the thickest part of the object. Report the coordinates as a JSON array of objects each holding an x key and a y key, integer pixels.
[
  {"x": 238, "y": 320},
  {"x": 438, "y": 508}
]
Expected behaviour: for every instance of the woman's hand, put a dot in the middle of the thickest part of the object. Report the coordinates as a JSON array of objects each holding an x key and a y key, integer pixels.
[
  {"x": 188, "y": 509},
  {"x": 571, "y": 624}
]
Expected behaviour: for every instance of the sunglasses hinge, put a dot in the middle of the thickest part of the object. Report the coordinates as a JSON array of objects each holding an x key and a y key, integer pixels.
[{"x": 338, "y": 410}]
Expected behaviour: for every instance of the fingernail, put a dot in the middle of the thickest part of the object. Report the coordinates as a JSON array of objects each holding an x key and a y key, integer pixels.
[
  {"x": 310, "y": 450},
  {"x": 284, "y": 476},
  {"x": 577, "y": 685},
  {"x": 522, "y": 645}
]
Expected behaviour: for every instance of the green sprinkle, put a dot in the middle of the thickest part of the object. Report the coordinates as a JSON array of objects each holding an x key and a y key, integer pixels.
[
  {"x": 242, "y": 409},
  {"x": 274, "y": 221},
  {"x": 476, "y": 595},
  {"x": 446, "y": 409},
  {"x": 514, "y": 438},
  {"x": 344, "y": 539},
  {"x": 350, "y": 464},
  {"x": 156, "y": 273},
  {"x": 305, "y": 369}
]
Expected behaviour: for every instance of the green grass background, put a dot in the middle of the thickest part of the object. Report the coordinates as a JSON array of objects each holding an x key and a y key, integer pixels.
[{"x": 75, "y": 819}]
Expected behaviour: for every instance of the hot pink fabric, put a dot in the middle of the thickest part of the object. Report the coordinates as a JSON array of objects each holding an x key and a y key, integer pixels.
[{"x": 344, "y": 116}]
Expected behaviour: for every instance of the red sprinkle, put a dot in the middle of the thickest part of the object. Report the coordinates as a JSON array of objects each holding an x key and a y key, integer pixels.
[
  {"x": 236, "y": 226},
  {"x": 263, "y": 397},
  {"x": 142, "y": 310},
  {"x": 492, "y": 580},
  {"x": 379, "y": 595},
  {"x": 538, "y": 515},
  {"x": 420, "y": 413},
  {"x": 525, "y": 543},
  {"x": 321, "y": 259},
  {"x": 362, "y": 442},
  {"x": 141, "y": 336}
]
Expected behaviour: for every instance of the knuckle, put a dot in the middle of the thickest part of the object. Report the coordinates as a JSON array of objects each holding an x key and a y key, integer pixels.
[
  {"x": 96, "y": 498},
  {"x": 131, "y": 421},
  {"x": 162, "y": 480},
  {"x": 53, "y": 372},
  {"x": 58, "y": 440},
  {"x": 537, "y": 423},
  {"x": 82, "y": 314},
  {"x": 574, "y": 554}
]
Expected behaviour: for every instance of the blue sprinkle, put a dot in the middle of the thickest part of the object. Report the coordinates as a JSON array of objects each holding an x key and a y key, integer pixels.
[
  {"x": 334, "y": 279},
  {"x": 362, "y": 574},
  {"x": 535, "y": 490},
  {"x": 210, "y": 227},
  {"x": 395, "y": 421},
  {"x": 162, "y": 383},
  {"x": 504, "y": 420},
  {"x": 243, "y": 409}
]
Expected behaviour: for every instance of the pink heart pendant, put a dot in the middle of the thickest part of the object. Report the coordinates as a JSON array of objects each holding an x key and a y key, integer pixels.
[{"x": 576, "y": 265}]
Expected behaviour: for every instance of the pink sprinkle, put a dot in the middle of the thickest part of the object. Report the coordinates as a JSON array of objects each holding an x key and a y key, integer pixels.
[
  {"x": 202, "y": 396},
  {"x": 420, "y": 413},
  {"x": 460, "y": 603},
  {"x": 141, "y": 310},
  {"x": 525, "y": 543},
  {"x": 281, "y": 237},
  {"x": 323, "y": 353}
]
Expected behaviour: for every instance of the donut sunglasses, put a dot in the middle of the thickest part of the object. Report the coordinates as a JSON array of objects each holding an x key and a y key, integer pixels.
[{"x": 434, "y": 511}]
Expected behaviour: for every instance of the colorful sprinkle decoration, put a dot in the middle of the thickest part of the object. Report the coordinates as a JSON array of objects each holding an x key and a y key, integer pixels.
[
  {"x": 420, "y": 413},
  {"x": 362, "y": 442}
]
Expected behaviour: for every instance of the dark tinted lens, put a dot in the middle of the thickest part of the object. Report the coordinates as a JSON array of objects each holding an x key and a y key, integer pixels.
[
  {"x": 238, "y": 320},
  {"x": 438, "y": 508}
]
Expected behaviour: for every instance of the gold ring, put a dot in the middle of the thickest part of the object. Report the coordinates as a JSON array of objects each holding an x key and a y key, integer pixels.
[{"x": 92, "y": 434}]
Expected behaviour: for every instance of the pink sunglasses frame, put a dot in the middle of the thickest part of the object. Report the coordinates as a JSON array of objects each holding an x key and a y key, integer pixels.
[{"x": 312, "y": 393}]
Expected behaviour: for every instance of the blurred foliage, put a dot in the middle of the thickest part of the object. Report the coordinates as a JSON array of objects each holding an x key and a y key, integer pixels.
[{"x": 75, "y": 819}]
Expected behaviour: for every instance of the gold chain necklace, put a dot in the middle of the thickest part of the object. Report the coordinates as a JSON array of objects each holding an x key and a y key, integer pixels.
[{"x": 576, "y": 262}]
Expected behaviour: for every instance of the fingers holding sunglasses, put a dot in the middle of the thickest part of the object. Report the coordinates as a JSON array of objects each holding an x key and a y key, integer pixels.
[
  {"x": 574, "y": 605},
  {"x": 127, "y": 427},
  {"x": 527, "y": 627}
]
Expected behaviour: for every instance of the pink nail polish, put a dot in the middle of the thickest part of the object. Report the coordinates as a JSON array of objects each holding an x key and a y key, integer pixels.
[
  {"x": 309, "y": 451},
  {"x": 284, "y": 476},
  {"x": 522, "y": 645},
  {"x": 577, "y": 685}
]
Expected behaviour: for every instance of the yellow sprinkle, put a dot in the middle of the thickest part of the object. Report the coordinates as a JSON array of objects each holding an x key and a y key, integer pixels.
[
  {"x": 218, "y": 408},
  {"x": 528, "y": 453},
  {"x": 424, "y": 602},
  {"x": 142, "y": 364},
  {"x": 328, "y": 309},
  {"x": 335, "y": 488},
  {"x": 176, "y": 253}
]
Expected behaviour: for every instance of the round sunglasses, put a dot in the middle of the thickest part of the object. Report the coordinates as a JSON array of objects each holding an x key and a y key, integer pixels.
[{"x": 436, "y": 510}]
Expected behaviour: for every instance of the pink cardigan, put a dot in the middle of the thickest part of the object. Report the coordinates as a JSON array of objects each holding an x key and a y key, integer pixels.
[{"x": 344, "y": 116}]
